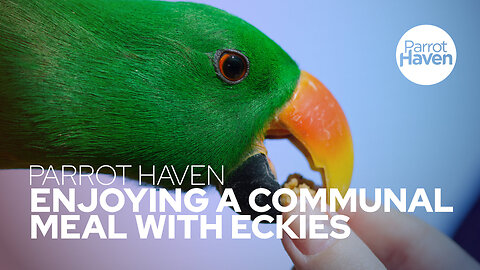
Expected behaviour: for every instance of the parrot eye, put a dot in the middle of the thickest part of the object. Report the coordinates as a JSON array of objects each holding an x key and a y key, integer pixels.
[{"x": 231, "y": 66}]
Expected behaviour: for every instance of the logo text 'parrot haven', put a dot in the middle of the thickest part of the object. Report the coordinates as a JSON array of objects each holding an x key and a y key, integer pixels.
[{"x": 426, "y": 54}]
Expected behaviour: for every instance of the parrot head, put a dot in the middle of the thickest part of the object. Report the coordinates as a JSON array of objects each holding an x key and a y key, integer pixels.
[{"x": 152, "y": 83}]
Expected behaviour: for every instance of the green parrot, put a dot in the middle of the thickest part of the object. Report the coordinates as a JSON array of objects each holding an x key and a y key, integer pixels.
[{"x": 152, "y": 83}]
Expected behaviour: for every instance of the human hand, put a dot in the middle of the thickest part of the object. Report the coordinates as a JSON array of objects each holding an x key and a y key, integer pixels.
[{"x": 378, "y": 240}]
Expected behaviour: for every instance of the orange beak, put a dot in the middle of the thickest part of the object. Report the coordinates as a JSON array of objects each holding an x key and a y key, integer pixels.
[
  {"x": 315, "y": 123},
  {"x": 320, "y": 130}
]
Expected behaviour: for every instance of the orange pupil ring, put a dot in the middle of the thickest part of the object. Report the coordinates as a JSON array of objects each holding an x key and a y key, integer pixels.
[{"x": 232, "y": 66}]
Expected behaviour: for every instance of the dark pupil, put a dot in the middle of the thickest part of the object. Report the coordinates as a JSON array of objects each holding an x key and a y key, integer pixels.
[{"x": 233, "y": 67}]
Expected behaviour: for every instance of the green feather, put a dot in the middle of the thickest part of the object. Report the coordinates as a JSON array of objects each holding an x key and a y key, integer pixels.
[{"x": 132, "y": 82}]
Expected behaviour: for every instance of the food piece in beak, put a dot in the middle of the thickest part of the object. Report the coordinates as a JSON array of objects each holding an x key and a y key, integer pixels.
[
  {"x": 296, "y": 182},
  {"x": 315, "y": 123}
]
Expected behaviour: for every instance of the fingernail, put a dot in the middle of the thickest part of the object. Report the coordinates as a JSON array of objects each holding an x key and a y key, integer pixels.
[{"x": 311, "y": 244}]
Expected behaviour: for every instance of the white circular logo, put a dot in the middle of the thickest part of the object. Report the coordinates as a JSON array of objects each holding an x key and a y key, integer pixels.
[{"x": 426, "y": 54}]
